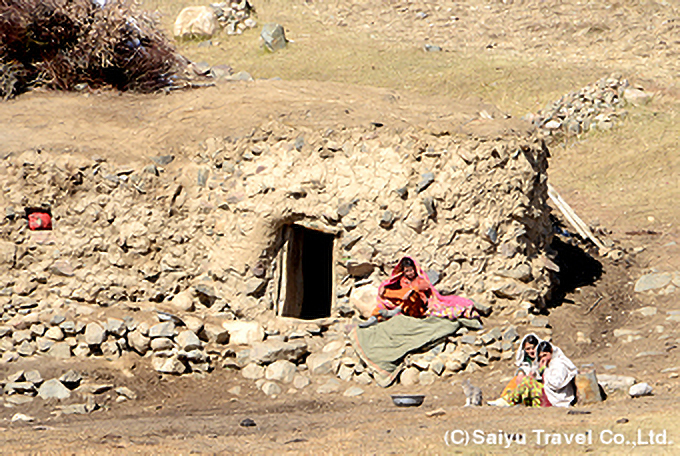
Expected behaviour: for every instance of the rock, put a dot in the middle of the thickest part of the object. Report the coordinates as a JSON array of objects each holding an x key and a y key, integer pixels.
[
  {"x": 21, "y": 417},
  {"x": 409, "y": 376},
  {"x": 94, "y": 334},
  {"x": 364, "y": 378},
  {"x": 510, "y": 334},
  {"x": 281, "y": 370},
  {"x": 55, "y": 333},
  {"x": 193, "y": 324},
  {"x": 433, "y": 276},
  {"x": 195, "y": 21},
  {"x": 215, "y": 333},
  {"x": 353, "y": 391},
  {"x": 331, "y": 386},
  {"x": 522, "y": 273},
  {"x": 636, "y": 97},
  {"x": 243, "y": 332},
  {"x": 21, "y": 336},
  {"x": 163, "y": 160},
  {"x": 33, "y": 376},
  {"x": 387, "y": 220},
  {"x": 432, "y": 48},
  {"x": 53, "y": 389},
  {"x": 359, "y": 269},
  {"x": 300, "y": 381},
  {"x": 165, "y": 329},
  {"x": 188, "y": 341},
  {"x": 170, "y": 365},
  {"x": 116, "y": 327},
  {"x": 271, "y": 389},
  {"x": 640, "y": 389},
  {"x": 253, "y": 371},
  {"x": 587, "y": 387},
  {"x": 60, "y": 350},
  {"x": 426, "y": 378},
  {"x": 320, "y": 363},
  {"x": 94, "y": 388},
  {"x": 26, "y": 348},
  {"x": 426, "y": 181},
  {"x": 161, "y": 343},
  {"x": 470, "y": 339},
  {"x": 273, "y": 350},
  {"x": 126, "y": 392},
  {"x": 183, "y": 301},
  {"x": 645, "y": 311},
  {"x": 653, "y": 281},
  {"x": 437, "y": 366},
  {"x": 82, "y": 350},
  {"x": 363, "y": 299},
  {"x": 274, "y": 37},
  {"x": 71, "y": 379},
  {"x": 138, "y": 342},
  {"x": 615, "y": 382},
  {"x": 19, "y": 387}
]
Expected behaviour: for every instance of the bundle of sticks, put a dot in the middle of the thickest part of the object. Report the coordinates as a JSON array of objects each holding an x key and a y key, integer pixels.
[{"x": 63, "y": 44}]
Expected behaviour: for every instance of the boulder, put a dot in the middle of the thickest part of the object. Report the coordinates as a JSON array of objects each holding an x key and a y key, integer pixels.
[
  {"x": 300, "y": 381},
  {"x": 188, "y": 341},
  {"x": 409, "y": 376},
  {"x": 274, "y": 37},
  {"x": 161, "y": 343},
  {"x": 195, "y": 21},
  {"x": 640, "y": 389},
  {"x": 139, "y": 342},
  {"x": 243, "y": 332},
  {"x": 171, "y": 365},
  {"x": 320, "y": 363},
  {"x": 71, "y": 379},
  {"x": 60, "y": 350},
  {"x": 94, "y": 334},
  {"x": 273, "y": 350},
  {"x": 615, "y": 382},
  {"x": 183, "y": 301},
  {"x": 165, "y": 329},
  {"x": 270, "y": 389},
  {"x": 253, "y": 372},
  {"x": 214, "y": 332},
  {"x": 363, "y": 299},
  {"x": 53, "y": 389},
  {"x": 116, "y": 327},
  {"x": 281, "y": 370}
]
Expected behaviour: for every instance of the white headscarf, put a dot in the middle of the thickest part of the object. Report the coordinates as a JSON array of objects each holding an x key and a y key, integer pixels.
[
  {"x": 557, "y": 379},
  {"x": 519, "y": 357}
]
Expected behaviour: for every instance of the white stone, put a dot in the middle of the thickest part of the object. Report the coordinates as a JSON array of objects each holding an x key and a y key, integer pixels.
[
  {"x": 170, "y": 365},
  {"x": 353, "y": 391},
  {"x": 55, "y": 333},
  {"x": 53, "y": 389},
  {"x": 195, "y": 21},
  {"x": 640, "y": 389},
  {"x": 363, "y": 299},
  {"x": 165, "y": 329},
  {"x": 320, "y": 363},
  {"x": 252, "y": 371},
  {"x": 139, "y": 342},
  {"x": 270, "y": 389},
  {"x": 300, "y": 381},
  {"x": 409, "y": 376},
  {"x": 331, "y": 386},
  {"x": 281, "y": 370},
  {"x": 243, "y": 332},
  {"x": 183, "y": 301},
  {"x": 94, "y": 334},
  {"x": 188, "y": 341}
]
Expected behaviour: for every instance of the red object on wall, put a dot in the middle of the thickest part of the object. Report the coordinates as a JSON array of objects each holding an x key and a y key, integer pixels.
[{"x": 39, "y": 221}]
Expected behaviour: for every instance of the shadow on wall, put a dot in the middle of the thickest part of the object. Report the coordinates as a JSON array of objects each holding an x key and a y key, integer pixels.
[{"x": 577, "y": 269}]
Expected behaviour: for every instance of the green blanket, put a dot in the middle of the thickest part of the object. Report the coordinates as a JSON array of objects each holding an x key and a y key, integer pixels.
[{"x": 383, "y": 346}]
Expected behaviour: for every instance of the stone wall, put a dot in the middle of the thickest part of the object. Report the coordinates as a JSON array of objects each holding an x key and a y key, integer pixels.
[{"x": 472, "y": 211}]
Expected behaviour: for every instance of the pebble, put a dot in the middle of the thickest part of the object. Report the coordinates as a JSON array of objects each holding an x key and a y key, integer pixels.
[
  {"x": 640, "y": 389},
  {"x": 331, "y": 386},
  {"x": 21, "y": 417},
  {"x": 353, "y": 391}
]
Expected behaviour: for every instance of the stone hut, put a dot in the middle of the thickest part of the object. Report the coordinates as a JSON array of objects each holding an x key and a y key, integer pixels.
[{"x": 296, "y": 221}]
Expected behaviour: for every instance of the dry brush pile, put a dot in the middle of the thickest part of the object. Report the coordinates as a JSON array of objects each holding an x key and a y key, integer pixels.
[{"x": 62, "y": 44}]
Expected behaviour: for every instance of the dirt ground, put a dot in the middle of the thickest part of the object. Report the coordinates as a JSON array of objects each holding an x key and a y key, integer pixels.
[{"x": 353, "y": 63}]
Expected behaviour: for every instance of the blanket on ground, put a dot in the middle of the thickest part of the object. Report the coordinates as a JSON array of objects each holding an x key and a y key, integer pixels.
[{"x": 383, "y": 346}]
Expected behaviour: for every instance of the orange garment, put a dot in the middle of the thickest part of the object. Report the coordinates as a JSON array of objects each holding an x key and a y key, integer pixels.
[{"x": 411, "y": 295}]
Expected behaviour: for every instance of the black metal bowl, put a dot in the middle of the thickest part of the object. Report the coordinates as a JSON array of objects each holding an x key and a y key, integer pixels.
[{"x": 408, "y": 400}]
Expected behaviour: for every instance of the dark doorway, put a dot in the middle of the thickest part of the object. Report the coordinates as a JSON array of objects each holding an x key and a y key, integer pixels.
[{"x": 309, "y": 274}]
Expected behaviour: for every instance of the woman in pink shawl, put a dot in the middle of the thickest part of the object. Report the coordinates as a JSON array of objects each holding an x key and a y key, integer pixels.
[{"x": 408, "y": 290}]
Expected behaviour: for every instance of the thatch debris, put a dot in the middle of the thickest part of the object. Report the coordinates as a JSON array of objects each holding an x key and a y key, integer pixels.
[{"x": 63, "y": 44}]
